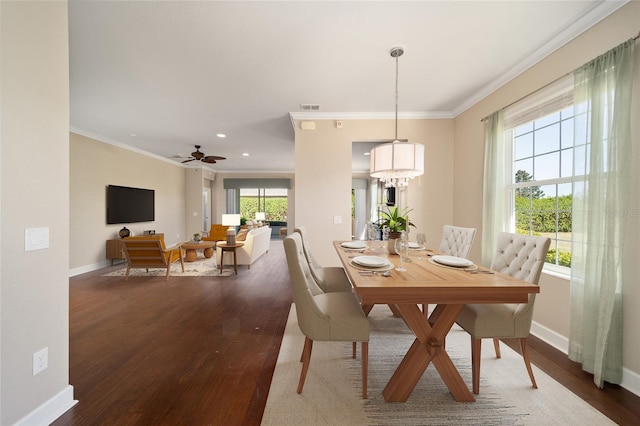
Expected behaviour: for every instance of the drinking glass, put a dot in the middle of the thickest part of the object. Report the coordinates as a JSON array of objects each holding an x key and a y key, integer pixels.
[
  {"x": 373, "y": 236},
  {"x": 421, "y": 239},
  {"x": 401, "y": 246}
]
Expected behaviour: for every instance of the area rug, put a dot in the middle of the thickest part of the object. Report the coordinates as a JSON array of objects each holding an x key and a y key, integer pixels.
[
  {"x": 332, "y": 391},
  {"x": 201, "y": 267}
]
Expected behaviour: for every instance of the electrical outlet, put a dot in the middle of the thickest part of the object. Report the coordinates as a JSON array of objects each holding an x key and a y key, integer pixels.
[{"x": 40, "y": 361}]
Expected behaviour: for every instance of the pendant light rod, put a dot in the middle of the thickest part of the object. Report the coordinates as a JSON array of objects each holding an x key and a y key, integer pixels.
[{"x": 396, "y": 52}]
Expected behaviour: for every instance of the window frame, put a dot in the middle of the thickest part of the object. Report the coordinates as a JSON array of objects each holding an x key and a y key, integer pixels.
[{"x": 549, "y": 100}]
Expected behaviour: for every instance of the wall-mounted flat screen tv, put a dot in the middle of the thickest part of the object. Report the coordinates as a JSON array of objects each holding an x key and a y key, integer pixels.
[{"x": 129, "y": 205}]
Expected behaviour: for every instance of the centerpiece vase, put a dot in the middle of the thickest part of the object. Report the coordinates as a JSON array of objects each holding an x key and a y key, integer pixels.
[{"x": 391, "y": 243}]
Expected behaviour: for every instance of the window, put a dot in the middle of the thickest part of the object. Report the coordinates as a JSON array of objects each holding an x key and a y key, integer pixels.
[
  {"x": 271, "y": 201},
  {"x": 540, "y": 144}
]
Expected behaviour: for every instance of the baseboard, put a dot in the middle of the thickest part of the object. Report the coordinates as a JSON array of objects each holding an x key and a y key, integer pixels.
[
  {"x": 630, "y": 379},
  {"x": 48, "y": 412},
  {"x": 89, "y": 268}
]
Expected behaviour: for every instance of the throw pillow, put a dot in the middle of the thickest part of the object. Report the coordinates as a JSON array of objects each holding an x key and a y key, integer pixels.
[{"x": 242, "y": 235}]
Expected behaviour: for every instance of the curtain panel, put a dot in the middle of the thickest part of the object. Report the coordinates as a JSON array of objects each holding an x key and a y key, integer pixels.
[
  {"x": 602, "y": 154},
  {"x": 494, "y": 184}
]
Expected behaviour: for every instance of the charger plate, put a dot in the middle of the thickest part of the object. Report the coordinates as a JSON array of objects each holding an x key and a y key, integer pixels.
[
  {"x": 385, "y": 268},
  {"x": 471, "y": 267}
]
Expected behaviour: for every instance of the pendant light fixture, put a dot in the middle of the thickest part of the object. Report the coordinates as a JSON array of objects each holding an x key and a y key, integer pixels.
[{"x": 397, "y": 162}]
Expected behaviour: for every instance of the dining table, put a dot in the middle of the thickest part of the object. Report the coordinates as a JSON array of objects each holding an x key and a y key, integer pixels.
[{"x": 426, "y": 282}]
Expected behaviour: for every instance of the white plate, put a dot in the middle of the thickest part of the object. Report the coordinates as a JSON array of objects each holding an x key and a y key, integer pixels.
[
  {"x": 414, "y": 246},
  {"x": 452, "y": 261},
  {"x": 354, "y": 244},
  {"x": 371, "y": 261}
]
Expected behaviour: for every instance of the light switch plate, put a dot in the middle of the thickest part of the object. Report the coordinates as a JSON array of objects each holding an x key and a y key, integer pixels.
[
  {"x": 337, "y": 220},
  {"x": 36, "y": 238}
]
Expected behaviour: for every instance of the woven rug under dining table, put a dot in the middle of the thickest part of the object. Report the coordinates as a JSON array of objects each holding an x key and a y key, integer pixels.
[{"x": 332, "y": 390}]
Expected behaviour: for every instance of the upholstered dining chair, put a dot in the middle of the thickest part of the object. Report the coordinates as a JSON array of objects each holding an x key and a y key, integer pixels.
[
  {"x": 521, "y": 256},
  {"x": 330, "y": 279},
  {"x": 324, "y": 316},
  {"x": 456, "y": 241}
]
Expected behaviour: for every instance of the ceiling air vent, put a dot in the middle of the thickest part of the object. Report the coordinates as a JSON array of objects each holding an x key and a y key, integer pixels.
[{"x": 309, "y": 107}]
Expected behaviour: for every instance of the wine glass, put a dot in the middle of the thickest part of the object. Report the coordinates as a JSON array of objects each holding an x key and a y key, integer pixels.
[
  {"x": 421, "y": 239},
  {"x": 400, "y": 246}
]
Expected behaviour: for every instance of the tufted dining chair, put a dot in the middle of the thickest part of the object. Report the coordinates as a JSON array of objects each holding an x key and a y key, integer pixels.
[
  {"x": 456, "y": 241},
  {"x": 330, "y": 279},
  {"x": 324, "y": 316},
  {"x": 520, "y": 256}
]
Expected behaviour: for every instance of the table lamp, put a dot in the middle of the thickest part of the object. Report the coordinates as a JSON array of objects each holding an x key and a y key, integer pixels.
[{"x": 231, "y": 220}]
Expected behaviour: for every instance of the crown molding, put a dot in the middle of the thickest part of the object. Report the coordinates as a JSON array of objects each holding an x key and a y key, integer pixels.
[
  {"x": 380, "y": 115},
  {"x": 578, "y": 27},
  {"x": 122, "y": 145}
]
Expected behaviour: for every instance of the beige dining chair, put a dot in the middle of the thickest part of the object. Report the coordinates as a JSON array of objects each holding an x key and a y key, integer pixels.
[
  {"x": 456, "y": 241},
  {"x": 520, "y": 256},
  {"x": 331, "y": 278},
  {"x": 335, "y": 316}
]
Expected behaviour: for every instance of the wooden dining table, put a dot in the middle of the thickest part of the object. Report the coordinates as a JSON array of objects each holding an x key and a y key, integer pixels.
[{"x": 425, "y": 282}]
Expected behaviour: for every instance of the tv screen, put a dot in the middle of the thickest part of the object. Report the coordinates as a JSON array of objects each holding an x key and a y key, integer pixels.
[{"x": 129, "y": 205}]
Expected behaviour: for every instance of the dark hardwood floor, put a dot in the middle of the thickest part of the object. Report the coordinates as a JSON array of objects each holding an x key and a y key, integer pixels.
[{"x": 202, "y": 350}]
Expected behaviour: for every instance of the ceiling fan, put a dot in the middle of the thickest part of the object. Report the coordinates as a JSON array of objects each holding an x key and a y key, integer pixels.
[{"x": 197, "y": 155}]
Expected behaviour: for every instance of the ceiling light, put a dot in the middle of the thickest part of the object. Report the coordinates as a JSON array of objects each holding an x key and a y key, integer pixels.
[
  {"x": 221, "y": 135},
  {"x": 397, "y": 162},
  {"x": 245, "y": 154}
]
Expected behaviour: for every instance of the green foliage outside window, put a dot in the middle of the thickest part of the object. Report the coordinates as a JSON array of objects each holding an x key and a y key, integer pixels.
[
  {"x": 539, "y": 214},
  {"x": 275, "y": 208}
]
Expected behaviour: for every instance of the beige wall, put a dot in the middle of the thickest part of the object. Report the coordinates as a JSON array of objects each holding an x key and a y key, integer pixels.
[
  {"x": 553, "y": 303},
  {"x": 93, "y": 166},
  {"x": 34, "y": 177},
  {"x": 323, "y": 178}
]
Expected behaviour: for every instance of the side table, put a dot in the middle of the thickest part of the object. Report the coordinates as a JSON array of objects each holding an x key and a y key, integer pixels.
[{"x": 231, "y": 248}]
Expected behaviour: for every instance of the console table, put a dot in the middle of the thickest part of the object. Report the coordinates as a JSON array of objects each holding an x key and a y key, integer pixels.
[{"x": 115, "y": 249}]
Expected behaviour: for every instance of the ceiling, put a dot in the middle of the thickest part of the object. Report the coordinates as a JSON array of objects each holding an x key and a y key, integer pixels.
[{"x": 163, "y": 76}]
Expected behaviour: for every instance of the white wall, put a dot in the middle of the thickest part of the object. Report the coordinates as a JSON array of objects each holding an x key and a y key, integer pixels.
[{"x": 34, "y": 177}]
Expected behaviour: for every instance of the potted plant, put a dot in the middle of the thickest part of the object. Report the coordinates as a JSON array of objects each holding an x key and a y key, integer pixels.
[
  {"x": 397, "y": 220},
  {"x": 197, "y": 237}
]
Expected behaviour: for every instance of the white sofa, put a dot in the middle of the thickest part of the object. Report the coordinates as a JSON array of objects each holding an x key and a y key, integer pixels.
[{"x": 255, "y": 245}]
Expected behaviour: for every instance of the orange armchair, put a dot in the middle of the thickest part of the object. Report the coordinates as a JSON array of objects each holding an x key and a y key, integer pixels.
[{"x": 217, "y": 233}]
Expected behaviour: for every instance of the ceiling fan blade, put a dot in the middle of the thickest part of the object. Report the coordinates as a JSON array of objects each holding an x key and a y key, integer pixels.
[
  {"x": 215, "y": 157},
  {"x": 190, "y": 159},
  {"x": 208, "y": 159}
]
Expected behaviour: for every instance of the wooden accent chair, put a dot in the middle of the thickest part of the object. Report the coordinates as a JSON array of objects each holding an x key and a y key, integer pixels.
[
  {"x": 521, "y": 256},
  {"x": 150, "y": 252},
  {"x": 329, "y": 279},
  {"x": 323, "y": 316}
]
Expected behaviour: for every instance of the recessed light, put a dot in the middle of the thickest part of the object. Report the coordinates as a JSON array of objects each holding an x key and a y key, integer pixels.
[
  {"x": 221, "y": 135},
  {"x": 245, "y": 154},
  {"x": 367, "y": 153},
  {"x": 133, "y": 135}
]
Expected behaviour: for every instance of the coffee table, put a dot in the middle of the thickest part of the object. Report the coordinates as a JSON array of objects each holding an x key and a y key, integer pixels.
[{"x": 191, "y": 248}]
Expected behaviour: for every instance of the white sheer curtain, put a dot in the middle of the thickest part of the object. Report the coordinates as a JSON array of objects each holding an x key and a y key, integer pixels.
[
  {"x": 494, "y": 184},
  {"x": 602, "y": 154}
]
